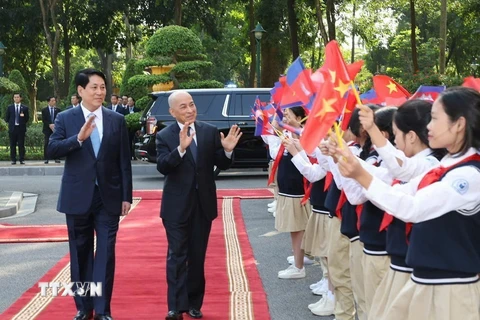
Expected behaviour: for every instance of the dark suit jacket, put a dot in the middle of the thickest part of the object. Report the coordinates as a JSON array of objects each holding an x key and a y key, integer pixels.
[
  {"x": 135, "y": 109},
  {"x": 10, "y": 117},
  {"x": 112, "y": 168},
  {"x": 182, "y": 173},
  {"x": 47, "y": 119},
  {"x": 120, "y": 109}
]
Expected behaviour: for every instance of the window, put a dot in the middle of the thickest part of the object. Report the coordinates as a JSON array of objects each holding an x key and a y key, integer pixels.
[{"x": 244, "y": 103}]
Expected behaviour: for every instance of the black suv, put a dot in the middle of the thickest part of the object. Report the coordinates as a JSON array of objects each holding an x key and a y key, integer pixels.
[{"x": 219, "y": 107}]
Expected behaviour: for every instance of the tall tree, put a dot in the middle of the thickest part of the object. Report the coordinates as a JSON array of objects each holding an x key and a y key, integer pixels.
[
  {"x": 253, "y": 52},
  {"x": 293, "y": 27},
  {"x": 49, "y": 17},
  {"x": 331, "y": 20},
  {"x": 178, "y": 12},
  {"x": 321, "y": 26},
  {"x": 443, "y": 35},
  {"x": 413, "y": 36}
]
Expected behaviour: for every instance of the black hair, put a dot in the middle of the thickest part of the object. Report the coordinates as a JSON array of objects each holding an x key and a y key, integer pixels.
[
  {"x": 115, "y": 95},
  {"x": 354, "y": 123},
  {"x": 297, "y": 111},
  {"x": 83, "y": 77},
  {"x": 19, "y": 93},
  {"x": 383, "y": 120},
  {"x": 50, "y": 98},
  {"x": 76, "y": 95},
  {"x": 414, "y": 115},
  {"x": 464, "y": 102}
]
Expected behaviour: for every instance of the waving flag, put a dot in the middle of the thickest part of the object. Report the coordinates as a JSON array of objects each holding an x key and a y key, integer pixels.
[
  {"x": 370, "y": 97},
  {"x": 298, "y": 88},
  {"x": 429, "y": 93},
  {"x": 471, "y": 82},
  {"x": 277, "y": 91},
  {"x": 389, "y": 91}
]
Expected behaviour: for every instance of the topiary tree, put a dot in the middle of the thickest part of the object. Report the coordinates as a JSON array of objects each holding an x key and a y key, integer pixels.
[
  {"x": 135, "y": 90},
  {"x": 17, "y": 77},
  {"x": 182, "y": 47},
  {"x": 7, "y": 87}
]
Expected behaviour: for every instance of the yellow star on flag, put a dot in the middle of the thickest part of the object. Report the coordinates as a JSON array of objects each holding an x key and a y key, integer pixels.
[
  {"x": 392, "y": 86},
  {"x": 326, "y": 107},
  {"x": 342, "y": 88}
]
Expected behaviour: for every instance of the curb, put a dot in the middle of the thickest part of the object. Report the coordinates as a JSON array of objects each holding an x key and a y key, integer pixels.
[
  {"x": 137, "y": 169},
  {"x": 12, "y": 206}
]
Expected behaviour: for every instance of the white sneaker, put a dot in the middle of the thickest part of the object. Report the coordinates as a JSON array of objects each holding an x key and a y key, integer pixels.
[
  {"x": 292, "y": 272},
  {"x": 274, "y": 214},
  {"x": 316, "y": 304},
  {"x": 306, "y": 260},
  {"x": 326, "y": 307},
  {"x": 272, "y": 209},
  {"x": 321, "y": 290},
  {"x": 272, "y": 204},
  {"x": 317, "y": 284}
]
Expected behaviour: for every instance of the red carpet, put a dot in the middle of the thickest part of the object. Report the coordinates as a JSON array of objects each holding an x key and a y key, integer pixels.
[
  {"x": 234, "y": 288},
  {"x": 37, "y": 233}
]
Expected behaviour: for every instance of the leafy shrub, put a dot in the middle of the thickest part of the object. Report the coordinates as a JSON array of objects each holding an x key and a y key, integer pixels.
[{"x": 133, "y": 121}]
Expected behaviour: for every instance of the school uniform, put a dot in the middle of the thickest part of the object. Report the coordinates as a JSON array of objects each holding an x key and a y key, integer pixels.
[
  {"x": 444, "y": 249},
  {"x": 315, "y": 237},
  {"x": 396, "y": 231},
  {"x": 291, "y": 215},
  {"x": 339, "y": 258}
]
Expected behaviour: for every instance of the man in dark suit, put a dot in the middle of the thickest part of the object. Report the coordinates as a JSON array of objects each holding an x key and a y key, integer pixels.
[
  {"x": 187, "y": 152},
  {"x": 114, "y": 106},
  {"x": 49, "y": 114},
  {"x": 17, "y": 118},
  {"x": 131, "y": 108},
  {"x": 75, "y": 100},
  {"x": 96, "y": 188}
]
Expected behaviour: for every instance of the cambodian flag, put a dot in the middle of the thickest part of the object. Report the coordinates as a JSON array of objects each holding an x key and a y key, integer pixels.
[{"x": 429, "y": 93}]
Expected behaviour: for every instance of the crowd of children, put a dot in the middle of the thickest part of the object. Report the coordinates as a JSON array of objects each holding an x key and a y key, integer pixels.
[{"x": 390, "y": 210}]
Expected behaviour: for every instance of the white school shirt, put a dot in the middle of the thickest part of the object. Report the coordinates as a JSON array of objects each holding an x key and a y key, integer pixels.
[
  {"x": 411, "y": 167},
  {"x": 459, "y": 190},
  {"x": 313, "y": 172}
]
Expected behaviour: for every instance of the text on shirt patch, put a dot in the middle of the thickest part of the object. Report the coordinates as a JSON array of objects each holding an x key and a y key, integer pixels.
[{"x": 460, "y": 185}]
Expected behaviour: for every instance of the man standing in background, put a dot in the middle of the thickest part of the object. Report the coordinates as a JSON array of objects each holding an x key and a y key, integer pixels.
[
  {"x": 17, "y": 118},
  {"x": 75, "y": 100},
  {"x": 49, "y": 114},
  {"x": 114, "y": 106}
]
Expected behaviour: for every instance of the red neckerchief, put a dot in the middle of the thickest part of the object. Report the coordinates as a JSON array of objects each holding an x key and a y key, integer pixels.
[
  {"x": 341, "y": 202},
  {"x": 358, "y": 210},
  {"x": 387, "y": 217},
  {"x": 307, "y": 186},
  {"x": 275, "y": 164}
]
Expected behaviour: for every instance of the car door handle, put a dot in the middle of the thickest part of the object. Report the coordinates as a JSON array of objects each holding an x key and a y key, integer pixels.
[{"x": 241, "y": 123}]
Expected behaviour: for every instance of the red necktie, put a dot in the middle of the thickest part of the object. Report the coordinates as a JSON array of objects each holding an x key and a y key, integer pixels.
[
  {"x": 328, "y": 180},
  {"x": 387, "y": 217}
]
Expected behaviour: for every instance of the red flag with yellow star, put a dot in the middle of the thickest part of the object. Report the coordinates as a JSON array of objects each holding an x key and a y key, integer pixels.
[
  {"x": 389, "y": 91},
  {"x": 327, "y": 107}
]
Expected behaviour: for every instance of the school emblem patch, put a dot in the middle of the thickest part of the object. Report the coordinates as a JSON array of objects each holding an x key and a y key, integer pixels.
[{"x": 460, "y": 185}]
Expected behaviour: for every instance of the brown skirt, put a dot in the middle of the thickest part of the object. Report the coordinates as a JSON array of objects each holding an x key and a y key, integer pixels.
[
  {"x": 291, "y": 215},
  {"x": 315, "y": 238},
  {"x": 435, "y": 302}
]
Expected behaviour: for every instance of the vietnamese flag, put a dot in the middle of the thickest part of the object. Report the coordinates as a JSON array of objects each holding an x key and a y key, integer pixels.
[
  {"x": 471, "y": 82},
  {"x": 327, "y": 107},
  {"x": 347, "y": 113},
  {"x": 389, "y": 91}
]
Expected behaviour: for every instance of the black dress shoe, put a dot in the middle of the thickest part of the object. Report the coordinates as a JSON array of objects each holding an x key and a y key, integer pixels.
[
  {"x": 57, "y": 161},
  {"x": 103, "y": 317},
  {"x": 174, "y": 315},
  {"x": 82, "y": 315},
  {"x": 194, "y": 313},
  {"x": 22, "y": 162},
  {"x": 46, "y": 161},
  {"x": 14, "y": 162}
]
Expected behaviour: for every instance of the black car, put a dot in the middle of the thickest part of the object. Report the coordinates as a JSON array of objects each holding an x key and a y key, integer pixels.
[{"x": 219, "y": 107}]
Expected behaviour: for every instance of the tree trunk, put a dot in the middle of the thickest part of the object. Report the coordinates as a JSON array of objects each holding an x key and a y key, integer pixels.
[
  {"x": 128, "y": 33},
  {"x": 106, "y": 60},
  {"x": 178, "y": 12},
  {"x": 272, "y": 65},
  {"x": 32, "y": 92},
  {"x": 331, "y": 20},
  {"x": 68, "y": 54},
  {"x": 443, "y": 34},
  {"x": 253, "y": 53},
  {"x": 321, "y": 25},
  {"x": 293, "y": 26},
  {"x": 413, "y": 36},
  {"x": 352, "y": 59},
  {"x": 48, "y": 12}
]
